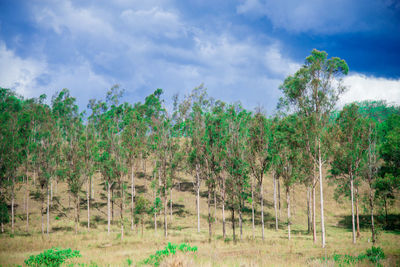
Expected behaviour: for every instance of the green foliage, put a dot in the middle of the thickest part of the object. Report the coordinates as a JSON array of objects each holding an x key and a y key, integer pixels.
[
  {"x": 171, "y": 249},
  {"x": 52, "y": 257},
  {"x": 374, "y": 255},
  {"x": 4, "y": 215}
]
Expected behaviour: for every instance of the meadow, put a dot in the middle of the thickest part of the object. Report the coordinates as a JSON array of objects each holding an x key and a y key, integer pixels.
[{"x": 99, "y": 249}]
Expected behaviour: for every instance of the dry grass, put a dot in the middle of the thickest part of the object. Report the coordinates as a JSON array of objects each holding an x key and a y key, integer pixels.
[{"x": 108, "y": 250}]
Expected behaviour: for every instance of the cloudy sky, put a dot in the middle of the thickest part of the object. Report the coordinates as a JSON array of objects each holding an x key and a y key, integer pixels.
[{"x": 241, "y": 50}]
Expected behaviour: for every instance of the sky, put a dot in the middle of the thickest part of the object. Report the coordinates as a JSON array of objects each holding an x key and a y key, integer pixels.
[{"x": 240, "y": 50}]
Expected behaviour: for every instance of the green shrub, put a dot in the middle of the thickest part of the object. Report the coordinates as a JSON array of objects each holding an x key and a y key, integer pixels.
[
  {"x": 170, "y": 249},
  {"x": 374, "y": 255},
  {"x": 52, "y": 257}
]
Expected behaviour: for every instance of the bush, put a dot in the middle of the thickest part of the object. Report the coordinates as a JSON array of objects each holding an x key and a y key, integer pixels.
[
  {"x": 52, "y": 257},
  {"x": 170, "y": 249},
  {"x": 374, "y": 255}
]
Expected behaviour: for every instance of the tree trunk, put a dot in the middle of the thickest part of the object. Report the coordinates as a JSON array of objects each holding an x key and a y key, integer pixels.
[
  {"x": 275, "y": 204},
  {"x": 288, "y": 209},
  {"x": 48, "y": 210},
  {"x": 27, "y": 207},
  {"x": 165, "y": 213},
  {"x": 122, "y": 211},
  {"x": 170, "y": 203},
  {"x": 215, "y": 202},
  {"x": 309, "y": 224},
  {"x": 12, "y": 205},
  {"x": 2, "y": 227},
  {"x": 223, "y": 209},
  {"x": 233, "y": 224},
  {"x": 51, "y": 193},
  {"x": 357, "y": 215},
  {"x": 198, "y": 197},
  {"x": 279, "y": 196},
  {"x": 314, "y": 224},
  {"x": 209, "y": 213},
  {"x": 76, "y": 214},
  {"x": 321, "y": 195},
  {"x": 262, "y": 208},
  {"x": 88, "y": 204},
  {"x": 133, "y": 196},
  {"x": 108, "y": 207},
  {"x": 352, "y": 209},
  {"x": 252, "y": 207},
  {"x": 240, "y": 221},
  {"x": 112, "y": 206},
  {"x": 41, "y": 213},
  {"x": 371, "y": 205},
  {"x": 27, "y": 204}
]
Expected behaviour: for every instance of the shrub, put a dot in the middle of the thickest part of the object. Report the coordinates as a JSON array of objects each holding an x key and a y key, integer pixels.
[
  {"x": 374, "y": 255},
  {"x": 170, "y": 249},
  {"x": 52, "y": 257}
]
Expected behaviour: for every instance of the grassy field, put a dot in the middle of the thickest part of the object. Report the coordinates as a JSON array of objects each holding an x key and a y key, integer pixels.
[{"x": 96, "y": 247}]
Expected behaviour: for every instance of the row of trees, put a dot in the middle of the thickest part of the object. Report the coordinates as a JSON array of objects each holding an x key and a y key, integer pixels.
[{"x": 224, "y": 147}]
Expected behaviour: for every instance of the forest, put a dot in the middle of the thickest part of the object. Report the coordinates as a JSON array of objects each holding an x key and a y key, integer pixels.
[{"x": 118, "y": 170}]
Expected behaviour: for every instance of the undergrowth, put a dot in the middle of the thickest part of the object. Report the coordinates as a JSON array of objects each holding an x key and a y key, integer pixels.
[
  {"x": 53, "y": 257},
  {"x": 171, "y": 249}
]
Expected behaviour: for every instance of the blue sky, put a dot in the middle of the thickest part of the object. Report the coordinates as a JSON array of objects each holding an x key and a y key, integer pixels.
[{"x": 241, "y": 50}]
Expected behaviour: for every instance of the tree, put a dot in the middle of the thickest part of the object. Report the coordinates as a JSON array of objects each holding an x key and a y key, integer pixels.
[
  {"x": 237, "y": 166},
  {"x": 352, "y": 144},
  {"x": 313, "y": 92},
  {"x": 259, "y": 158}
]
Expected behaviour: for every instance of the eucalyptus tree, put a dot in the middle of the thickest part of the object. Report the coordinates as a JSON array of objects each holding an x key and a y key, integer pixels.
[
  {"x": 164, "y": 145},
  {"x": 352, "y": 144},
  {"x": 134, "y": 141},
  {"x": 216, "y": 136},
  {"x": 45, "y": 156},
  {"x": 237, "y": 165},
  {"x": 71, "y": 162},
  {"x": 11, "y": 143},
  {"x": 287, "y": 161},
  {"x": 194, "y": 108},
  {"x": 110, "y": 154},
  {"x": 388, "y": 181},
  {"x": 313, "y": 92},
  {"x": 259, "y": 158}
]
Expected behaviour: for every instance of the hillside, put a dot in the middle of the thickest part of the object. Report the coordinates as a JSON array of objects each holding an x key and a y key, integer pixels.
[{"x": 99, "y": 248}]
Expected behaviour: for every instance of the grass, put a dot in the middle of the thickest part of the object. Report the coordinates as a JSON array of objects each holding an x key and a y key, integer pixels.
[{"x": 96, "y": 247}]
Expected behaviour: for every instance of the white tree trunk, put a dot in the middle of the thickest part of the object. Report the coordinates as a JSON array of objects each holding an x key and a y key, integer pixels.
[
  {"x": 108, "y": 207},
  {"x": 275, "y": 204},
  {"x": 133, "y": 195},
  {"x": 314, "y": 224},
  {"x": 48, "y": 210},
  {"x": 262, "y": 208},
  {"x": 12, "y": 206},
  {"x": 88, "y": 204},
  {"x": 321, "y": 196},
  {"x": 51, "y": 193},
  {"x": 352, "y": 209},
  {"x": 288, "y": 209},
  {"x": 198, "y": 197},
  {"x": 252, "y": 207},
  {"x": 223, "y": 209},
  {"x": 170, "y": 202}
]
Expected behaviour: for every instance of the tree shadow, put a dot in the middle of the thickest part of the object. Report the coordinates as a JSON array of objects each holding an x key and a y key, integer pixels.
[
  {"x": 61, "y": 228},
  {"x": 391, "y": 223},
  {"x": 187, "y": 187}
]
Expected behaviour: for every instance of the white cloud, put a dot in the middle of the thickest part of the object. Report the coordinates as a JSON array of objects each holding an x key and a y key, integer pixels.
[
  {"x": 319, "y": 16},
  {"x": 361, "y": 87},
  {"x": 154, "y": 21},
  {"x": 18, "y": 73}
]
